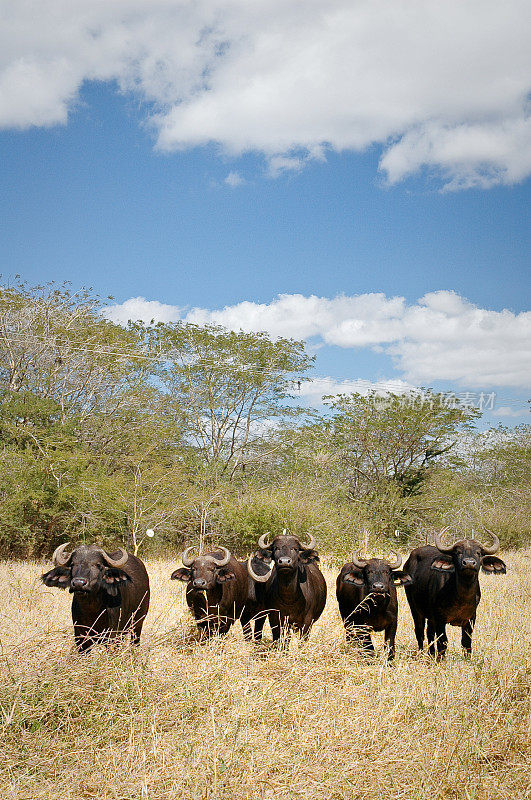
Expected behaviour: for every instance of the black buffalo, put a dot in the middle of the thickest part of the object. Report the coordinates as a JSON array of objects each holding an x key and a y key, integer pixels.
[
  {"x": 367, "y": 598},
  {"x": 291, "y": 589},
  {"x": 111, "y": 593},
  {"x": 216, "y": 590},
  {"x": 445, "y": 588}
]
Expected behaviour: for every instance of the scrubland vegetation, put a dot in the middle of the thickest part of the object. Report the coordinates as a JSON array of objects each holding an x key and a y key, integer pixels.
[{"x": 228, "y": 719}]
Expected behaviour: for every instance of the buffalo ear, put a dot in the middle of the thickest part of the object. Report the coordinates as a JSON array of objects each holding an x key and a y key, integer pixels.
[
  {"x": 224, "y": 575},
  {"x": 401, "y": 578},
  {"x": 354, "y": 577},
  {"x": 493, "y": 564},
  {"x": 58, "y": 576},
  {"x": 309, "y": 556},
  {"x": 113, "y": 579},
  {"x": 181, "y": 574},
  {"x": 443, "y": 564},
  {"x": 113, "y": 575}
]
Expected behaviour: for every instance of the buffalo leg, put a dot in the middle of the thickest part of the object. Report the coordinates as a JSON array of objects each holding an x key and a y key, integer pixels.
[
  {"x": 305, "y": 631},
  {"x": 362, "y": 638},
  {"x": 84, "y": 642},
  {"x": 225, "y": 627},
  {"x": 419, "y": 620},
  {"x": 277, "y": 626},
  {"x": 136, "y": 630},
  {"x": 259, "y": 623},
  {"x": 248, "y": 622},
  {"x": 437, "y": 635},
  {"x": 350, "y": 633},
  {"x": 206, "y": 630},
  {"x": 352, "y": 627},
  {"x": 390, "y": 634},
  {"x": 245, "y": 620},
  {"x": 442, "y": 639},
  {"x": 466, "y": 636},
  {"x": 276, "y": 630},
  {"x": 431, "y": 637}
]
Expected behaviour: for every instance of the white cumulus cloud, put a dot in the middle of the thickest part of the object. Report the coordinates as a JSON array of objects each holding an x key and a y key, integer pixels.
[
  {"x": 440, "y": 337},
  {"x": 234, "y": 179},
  {"x": 313, "y": 391},
  {"x": 442, "y": 86},
  {"x": 138, "y": 309},
  {"x": 507, "y": 411}
]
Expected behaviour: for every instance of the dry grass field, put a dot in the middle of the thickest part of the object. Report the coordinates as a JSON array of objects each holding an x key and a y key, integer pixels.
[{"x": 227, "y": 719}]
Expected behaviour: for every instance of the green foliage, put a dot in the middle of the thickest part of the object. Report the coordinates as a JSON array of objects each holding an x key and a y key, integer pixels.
[
  {"x": 56, "y": 345},
  {"x": 393, "y": 438},
  {"x": 502, "y": 457},
  {"x": 225, "y": 386},
  {"x": 243, "y": 518},
  {"x": 79, "y": 414}
]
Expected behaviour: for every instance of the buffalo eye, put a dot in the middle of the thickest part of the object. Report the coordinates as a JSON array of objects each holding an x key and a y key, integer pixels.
[{"x": 352, "y": 577}]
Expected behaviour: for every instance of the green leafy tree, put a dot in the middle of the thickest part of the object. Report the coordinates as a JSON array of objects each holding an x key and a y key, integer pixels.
[
  {"x": 395, "y": 438},
  {"x": 227, "y": 387},
  {"x": 55, "y": 344},
  {"x": 38, "y": 459},
  {"x": 501, "y": 456},
  {"x": 78, "y": 409}
]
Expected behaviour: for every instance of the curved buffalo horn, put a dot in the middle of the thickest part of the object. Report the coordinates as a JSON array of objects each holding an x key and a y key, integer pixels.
[
  {"x": 116, "y": 562},
  {"x": 59, "y": 558},
  {"x": 397, "y": 561},
  {"x": 220, "y": 562},
  {"x": 185, "y": 558},
  {"x": 253, "y": 574},
  {"x": 439, "y": 542},
  {"x": 494, "y": 547},
  {"x": 311, "y": 544},
  {"x": 262, "y": 541},
  {"x": 357, "y": 561}
]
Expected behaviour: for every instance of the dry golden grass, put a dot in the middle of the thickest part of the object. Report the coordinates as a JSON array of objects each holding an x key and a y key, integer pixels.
[{"x": 227, "y": 719}]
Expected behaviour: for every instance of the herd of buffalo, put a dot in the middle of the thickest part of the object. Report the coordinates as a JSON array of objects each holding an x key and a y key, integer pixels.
[{"x": 281, "y": 582}]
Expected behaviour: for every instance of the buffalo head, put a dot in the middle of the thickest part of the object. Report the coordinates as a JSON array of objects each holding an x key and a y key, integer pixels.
[
  {"x": 287, "y": 554},
  {"x": 468, "y": 556},
  {"x": 88, "y": 569},
  {"x": 204, "y": 572},
  {"x": 376, "y": 575}
]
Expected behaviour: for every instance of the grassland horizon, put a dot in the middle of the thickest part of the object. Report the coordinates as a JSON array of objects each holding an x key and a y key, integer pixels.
[{"x": 229, "y": 719}]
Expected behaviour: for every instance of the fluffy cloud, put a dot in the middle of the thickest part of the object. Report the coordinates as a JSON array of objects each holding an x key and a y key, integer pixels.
[
  {"x": 507, "y": 411},
  {"x": 234, "y": 179},
  {"x": 140, "y": 309},
  {"x": 315, "y": 390},
  {"x": 437, "y": 85},
  {"x": 440, "y": 337}
]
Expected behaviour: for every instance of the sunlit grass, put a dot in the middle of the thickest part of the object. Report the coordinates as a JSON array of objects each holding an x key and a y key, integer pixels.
[{"x": 180, "y": 719}]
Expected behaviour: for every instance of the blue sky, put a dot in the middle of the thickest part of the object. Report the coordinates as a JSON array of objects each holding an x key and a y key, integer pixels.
[{"x": 184, "y": 208}]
